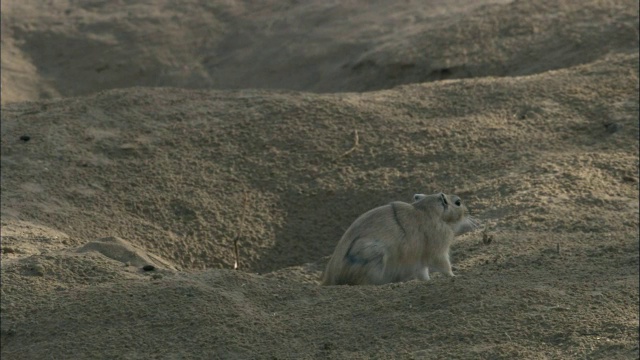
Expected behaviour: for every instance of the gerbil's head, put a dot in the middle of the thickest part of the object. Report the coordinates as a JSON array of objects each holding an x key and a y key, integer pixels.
[{"x": 448, "y": 208}]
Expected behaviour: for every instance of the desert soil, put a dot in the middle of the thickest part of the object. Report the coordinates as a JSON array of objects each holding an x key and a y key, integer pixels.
[{"x": 140, "y": 140}]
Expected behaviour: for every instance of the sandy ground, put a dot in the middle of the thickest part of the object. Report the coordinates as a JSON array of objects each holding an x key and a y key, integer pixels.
[{"x": 159, "y": 132}]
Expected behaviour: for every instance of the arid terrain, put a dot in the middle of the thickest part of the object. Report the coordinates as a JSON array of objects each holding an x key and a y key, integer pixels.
[{"x": 141, "y": 140}]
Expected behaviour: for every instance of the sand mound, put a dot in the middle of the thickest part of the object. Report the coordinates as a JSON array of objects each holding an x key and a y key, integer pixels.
[
  {"x": 121, "y": 250},
  {"x": 487, "y": 313},
  {"x": 176, "y": 171},
  {"x": 528, "y": 110}
]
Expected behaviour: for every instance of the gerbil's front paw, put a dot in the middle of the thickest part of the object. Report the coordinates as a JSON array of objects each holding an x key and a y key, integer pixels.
[
  {"x": 424, "y": 274},
  {"x": 450, "y": 272}
]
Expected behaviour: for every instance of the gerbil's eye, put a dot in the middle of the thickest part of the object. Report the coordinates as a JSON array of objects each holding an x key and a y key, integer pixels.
[
  {"x": 458, "y": 202},
  {"x": 443, "y": 199}
]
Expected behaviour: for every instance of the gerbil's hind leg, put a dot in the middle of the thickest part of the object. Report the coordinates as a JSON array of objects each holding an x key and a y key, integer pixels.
[
  {"x": 375, "y": 272},
  {"x": 367, "y": 260}
]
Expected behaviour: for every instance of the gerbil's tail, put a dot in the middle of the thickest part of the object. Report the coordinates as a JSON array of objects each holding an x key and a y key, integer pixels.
[{"x": 326, "y": 278}]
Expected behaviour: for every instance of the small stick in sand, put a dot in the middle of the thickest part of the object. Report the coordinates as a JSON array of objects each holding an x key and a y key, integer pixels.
[
  {"x": 356, "y": 142},
  {"x": 236, "y": 252},
  {"x": 235, "y": 241}
]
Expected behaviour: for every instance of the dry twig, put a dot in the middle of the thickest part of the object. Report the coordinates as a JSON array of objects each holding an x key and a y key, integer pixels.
[{"x": 356, "y": 142}]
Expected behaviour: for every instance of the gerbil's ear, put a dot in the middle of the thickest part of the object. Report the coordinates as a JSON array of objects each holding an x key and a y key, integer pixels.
[{"x": 418, "y": 197}]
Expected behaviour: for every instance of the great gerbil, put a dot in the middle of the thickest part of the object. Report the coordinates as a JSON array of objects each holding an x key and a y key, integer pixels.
[{"x": 399, "y": 242}]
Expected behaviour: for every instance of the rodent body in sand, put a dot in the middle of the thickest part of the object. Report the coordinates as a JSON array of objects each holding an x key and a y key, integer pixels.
[{"x": 399, "y": 242}]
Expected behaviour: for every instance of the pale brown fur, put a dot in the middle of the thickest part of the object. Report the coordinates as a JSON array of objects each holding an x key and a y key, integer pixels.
[{"x": 399, "y": 242}]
